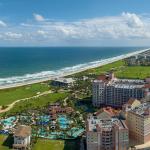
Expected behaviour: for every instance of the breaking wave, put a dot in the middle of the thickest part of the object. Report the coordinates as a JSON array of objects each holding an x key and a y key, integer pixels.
[{"x": 27, "y": 78}]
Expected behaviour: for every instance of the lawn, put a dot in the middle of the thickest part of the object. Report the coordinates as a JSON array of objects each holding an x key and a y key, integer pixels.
[
  {"x": 43, "y": 144},
  {"x": 5, "y": 142},
  {"x": 8, "y": 96},
  {"x": 103, "y": 69},
  {"x": 137, "y": 72},
  {"x": 37, "y": 103},
  {"x": 120, "y": 70}
]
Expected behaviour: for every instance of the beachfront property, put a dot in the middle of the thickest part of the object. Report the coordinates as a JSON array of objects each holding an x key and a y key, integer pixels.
[
  {"x": 62, "y": 82},
  {"x": 139, "y": 59},
  {"x": 108, "y": 90},
  {"x": 106, "y": 132},
  {"x": 138, "y": 122},
  {"x": 54, "y": 122},
  {"x": 22, "y": 138}
]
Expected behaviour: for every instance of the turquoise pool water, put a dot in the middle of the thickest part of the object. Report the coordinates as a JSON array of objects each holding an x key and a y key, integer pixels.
[
  {"x": 75, "y": 132},
  {"x": 8, "y": 121},
  {"x": 63, "y": 121}
]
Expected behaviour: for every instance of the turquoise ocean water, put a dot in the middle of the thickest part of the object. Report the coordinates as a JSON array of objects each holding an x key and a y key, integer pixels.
[{"x": 20, "y": 64}]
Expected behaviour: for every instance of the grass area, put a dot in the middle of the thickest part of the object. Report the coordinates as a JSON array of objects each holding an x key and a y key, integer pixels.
[
  {"x": 103, "y": 69},
  {"x": 138, "y": 72},
  {"x": 5, "y": 142},
  {"x": 36, "y": 103},
  {"x": 121, "y": 70},
  {"x": 8, "y": 96},
  {"x": 43, "y": 144}
]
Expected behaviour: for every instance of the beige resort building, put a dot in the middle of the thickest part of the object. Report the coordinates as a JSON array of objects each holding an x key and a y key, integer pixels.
[{"x": 105, "y": 132}]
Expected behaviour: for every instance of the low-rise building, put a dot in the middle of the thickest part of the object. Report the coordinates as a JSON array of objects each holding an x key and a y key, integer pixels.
[
  {"x": 62, "y": 82},
  {"x": 106, "y": 132},
  {"x": 22, "y": 138},
  {"x": 56, "y": 108}
]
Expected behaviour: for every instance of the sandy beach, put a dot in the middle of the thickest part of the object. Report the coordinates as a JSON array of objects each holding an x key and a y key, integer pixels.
[{"x": 77, "y": 70}]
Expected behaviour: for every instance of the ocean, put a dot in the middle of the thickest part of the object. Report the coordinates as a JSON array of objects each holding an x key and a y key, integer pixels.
[{"x": 20, "y": 64}]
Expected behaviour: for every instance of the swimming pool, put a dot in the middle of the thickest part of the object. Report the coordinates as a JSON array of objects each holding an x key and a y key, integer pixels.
[
  {"x": 8, "y": 122},
  {"x": 63, "y": 121}
]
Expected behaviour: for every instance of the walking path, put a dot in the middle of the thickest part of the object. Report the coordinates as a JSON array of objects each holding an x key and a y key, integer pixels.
[{"x": 28, "y": 98}]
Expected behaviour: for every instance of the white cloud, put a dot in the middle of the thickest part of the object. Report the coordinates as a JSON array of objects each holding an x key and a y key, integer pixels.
[
  {"x": 38, "y": 17},
  {"x": 2, "y": 23},
  {"x": 133, "y": 20},
  {"x": 41, "y": 32},
  {"x": 124, "y": 27},
  {"x": 12, "y": 35}
]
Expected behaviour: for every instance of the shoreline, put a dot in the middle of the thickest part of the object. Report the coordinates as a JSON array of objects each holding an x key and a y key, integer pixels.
[{"x": 92, "y": 65}]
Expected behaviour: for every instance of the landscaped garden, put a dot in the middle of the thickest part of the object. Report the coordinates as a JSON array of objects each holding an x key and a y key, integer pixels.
[
  {"x": 52, "y": 122},
  {"x": 36, "y": 103}
]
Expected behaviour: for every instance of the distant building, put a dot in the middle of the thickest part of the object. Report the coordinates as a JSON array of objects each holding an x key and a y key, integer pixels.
[
  {"x": 138, "y": 122},
  {"x": 22, "y": 137},
  {"x": 108, "y": 90},
  {"x": 138, "y": 60},
  {"x": 62, "y": 82},
  {"x": 105, "y": 132}
]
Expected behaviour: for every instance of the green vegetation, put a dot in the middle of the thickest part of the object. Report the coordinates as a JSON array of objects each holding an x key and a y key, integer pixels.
[
  {"x": 81, "y": 90},
  {"x": 120, "y": 69},
  {"x": 138, "y": 72},
  {"x": 8, "y": 96},
  {"x": 79, "y": 97},
  {"x": 5, "y": 142},
  {"x": 43, "y": 144},
  {"x": 103, "y": 69},
  {"x": 37, "y": 103}
]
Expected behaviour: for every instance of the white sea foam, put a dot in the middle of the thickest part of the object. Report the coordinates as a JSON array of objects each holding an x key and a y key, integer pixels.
[{"x": 47, "y": 75}]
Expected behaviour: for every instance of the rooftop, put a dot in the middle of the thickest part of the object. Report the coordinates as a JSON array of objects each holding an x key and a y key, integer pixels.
[
  {"x": 94, "y": 123},
  {"x": 23, "y": 131},
  {"x": 64, "y": 80},
  {"x": 121, "y": 83},
  {"x": 142, "y": 110}
]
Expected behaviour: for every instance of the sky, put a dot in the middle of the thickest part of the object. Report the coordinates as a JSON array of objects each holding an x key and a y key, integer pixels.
[{"x": 74, "y": 23}]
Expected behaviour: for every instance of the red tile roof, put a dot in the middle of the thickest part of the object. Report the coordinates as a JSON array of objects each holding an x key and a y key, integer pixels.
[{"x": 104, "y": 78}]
